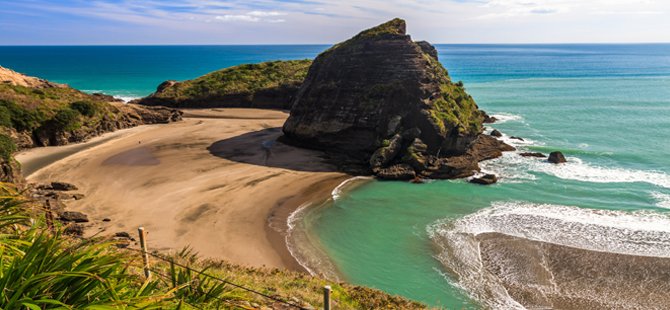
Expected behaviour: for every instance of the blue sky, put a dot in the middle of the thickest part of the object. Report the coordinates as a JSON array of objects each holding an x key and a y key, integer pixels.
[{"x": 42, "y": 22}]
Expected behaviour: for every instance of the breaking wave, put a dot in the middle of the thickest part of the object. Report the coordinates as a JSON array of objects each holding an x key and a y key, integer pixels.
[
  {"x": 507, "y": 117},
  {"x": 337, "y": 192},
  {"x": 513, "y": 167},
  {"x": 662, "y": 200}
]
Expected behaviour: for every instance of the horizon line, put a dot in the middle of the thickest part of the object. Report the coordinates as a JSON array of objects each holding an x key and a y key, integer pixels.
[{"x": 322, "y": 44}]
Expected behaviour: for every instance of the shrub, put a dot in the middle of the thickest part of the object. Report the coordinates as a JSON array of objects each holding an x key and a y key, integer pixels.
[
  {"x": 23, "y": 119},
  {"x": 67, "y": 119},
  {"x": 5, "y": 117},
  {"x": 86, "y": 108},
  {"x": 7, "y": 147}
]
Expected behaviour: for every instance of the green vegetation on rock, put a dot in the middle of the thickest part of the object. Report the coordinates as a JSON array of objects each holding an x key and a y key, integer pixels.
[
  {"x": 5, "y": 117},
  {"x": 67, "y": 119},
  {"x": 86, "y": 108},
  {"x": 248, "y": 78},
  {"x": 235, "y": 86},
  {"x": 395, "y": 26},
  {"x": 31, "y": 108},
  {"x": 7, "y": 147}
]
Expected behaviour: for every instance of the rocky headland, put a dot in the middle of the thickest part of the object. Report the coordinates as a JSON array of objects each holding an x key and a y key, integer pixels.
[
  {"x": 381, "y": 103},
  {"x": 268, "y": 85}
]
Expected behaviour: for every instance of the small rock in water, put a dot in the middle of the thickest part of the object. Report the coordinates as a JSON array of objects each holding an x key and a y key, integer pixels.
[
  {"x": 517, "y": 138},
  {"x": 487, "y": 179},
  {"x": 532, "y": 154},
  {"x": 496, "y": 133},
  {"x": 557, "y": 158},
  {"x": 489, "y": 119}
]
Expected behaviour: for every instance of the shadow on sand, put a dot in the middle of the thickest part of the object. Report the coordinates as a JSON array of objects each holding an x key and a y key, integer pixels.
[{"x": 261, "y": 148}]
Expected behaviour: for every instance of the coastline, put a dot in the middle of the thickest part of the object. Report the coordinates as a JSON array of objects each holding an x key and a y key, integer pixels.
[
  {"x": 302, "y": 244},
  {"x": 207, "y": 182}
]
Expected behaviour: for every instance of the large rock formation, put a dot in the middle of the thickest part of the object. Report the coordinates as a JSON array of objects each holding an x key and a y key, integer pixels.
[
  {"x": 384, "y": 101},
  {"x": 266, "y": 85}
]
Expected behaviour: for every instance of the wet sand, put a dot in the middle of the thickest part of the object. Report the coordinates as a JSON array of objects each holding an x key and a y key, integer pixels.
[
  {"x": 215, "y": 182},
  {"x": 542, "y": 275}
]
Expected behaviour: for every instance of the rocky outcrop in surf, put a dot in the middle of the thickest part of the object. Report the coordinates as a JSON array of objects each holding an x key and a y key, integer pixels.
[
  {"x": 269, "y": 85},
  {"x": 385, "y": 103}
]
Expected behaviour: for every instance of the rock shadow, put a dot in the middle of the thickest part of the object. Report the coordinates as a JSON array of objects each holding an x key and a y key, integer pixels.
[{"x": 261, "y": 148}]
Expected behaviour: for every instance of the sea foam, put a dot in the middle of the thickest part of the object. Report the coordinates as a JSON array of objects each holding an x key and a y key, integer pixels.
[
  {"x": 514, "y": 168},
  {"x": 507, "y": 117},
  {"x": 662, "y": 200},
  {"x": 337, "y": 191}
]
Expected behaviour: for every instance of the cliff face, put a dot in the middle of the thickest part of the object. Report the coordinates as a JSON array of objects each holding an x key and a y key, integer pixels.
[
  {"x": 265, "y": 85},
  {"x": 384, "y": 100}
]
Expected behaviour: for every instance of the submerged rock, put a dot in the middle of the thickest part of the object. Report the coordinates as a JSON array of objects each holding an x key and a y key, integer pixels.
[
  {"x": 557, "y": 158},
  {"x": 385, "y": 102},
  {"x": 532, "y": 154}
]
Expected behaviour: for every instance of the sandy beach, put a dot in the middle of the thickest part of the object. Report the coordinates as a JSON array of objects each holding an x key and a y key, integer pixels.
[{"x": 216, "y": 182}]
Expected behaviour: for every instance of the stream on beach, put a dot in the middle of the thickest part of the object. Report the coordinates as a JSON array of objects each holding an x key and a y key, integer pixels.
[{"x": 593, "y": 233}]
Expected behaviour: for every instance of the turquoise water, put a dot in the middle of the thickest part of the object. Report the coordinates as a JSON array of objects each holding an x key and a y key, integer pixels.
[{"x": 606, "y": 107}]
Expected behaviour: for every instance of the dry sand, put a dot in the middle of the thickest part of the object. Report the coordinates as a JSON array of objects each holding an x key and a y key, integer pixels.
[{"x": 207, "y": 183}]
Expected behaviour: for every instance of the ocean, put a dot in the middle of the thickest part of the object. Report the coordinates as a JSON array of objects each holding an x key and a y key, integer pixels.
[{"x": 594, "y": 232}]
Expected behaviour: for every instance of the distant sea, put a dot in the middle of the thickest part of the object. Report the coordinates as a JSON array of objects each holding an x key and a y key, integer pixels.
[{"x": 606, "y": 107}]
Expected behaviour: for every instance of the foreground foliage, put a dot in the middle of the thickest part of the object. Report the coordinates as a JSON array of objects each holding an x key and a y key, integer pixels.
[{"x": 40, "y": 268}]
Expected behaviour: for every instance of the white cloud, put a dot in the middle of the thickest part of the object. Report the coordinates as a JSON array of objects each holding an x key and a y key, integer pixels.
[
  {"x": 253, "y": 16},
  {"x": 243, "y": 18},
  {"x": 330, "y": 21},
  {"x": 265, "y": 13}
]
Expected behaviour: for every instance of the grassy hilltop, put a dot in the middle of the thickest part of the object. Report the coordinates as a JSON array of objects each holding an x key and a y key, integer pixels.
[{"x": 266, "y": 85}]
